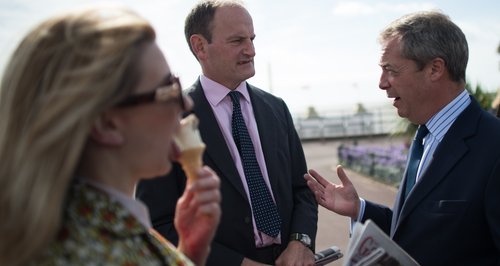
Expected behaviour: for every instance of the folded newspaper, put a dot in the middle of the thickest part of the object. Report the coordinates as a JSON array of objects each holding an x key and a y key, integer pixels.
[{"x": 369, "y": 245}]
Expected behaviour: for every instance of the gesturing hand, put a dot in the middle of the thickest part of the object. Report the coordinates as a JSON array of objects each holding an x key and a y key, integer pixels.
[{"x": 341, "y": 199}]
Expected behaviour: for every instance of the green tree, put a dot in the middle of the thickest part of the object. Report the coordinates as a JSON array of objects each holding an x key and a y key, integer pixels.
[
  {"x": 497, "y": 99},
  {"x": 484, "y": 98},
  {"x": 312, "y": 113},
  {"x": 360, "y": 109}
]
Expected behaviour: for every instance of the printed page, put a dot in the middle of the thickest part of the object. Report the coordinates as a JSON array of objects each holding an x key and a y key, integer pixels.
[
  {"x": 355, "y": 236},
  {"x": 373, "y": 247}
]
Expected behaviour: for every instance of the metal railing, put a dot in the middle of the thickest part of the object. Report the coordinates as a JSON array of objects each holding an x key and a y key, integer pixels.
[{"x": 378, "y": 121}]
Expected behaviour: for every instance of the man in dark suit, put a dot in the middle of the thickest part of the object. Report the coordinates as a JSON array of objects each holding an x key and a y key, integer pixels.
[
  {"x": 451, "y": 215},
  {"x": 220, "y": 35}
]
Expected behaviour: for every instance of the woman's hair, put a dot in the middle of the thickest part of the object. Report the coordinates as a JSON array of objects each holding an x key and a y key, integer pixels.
[{"x": 61, "y": 77}]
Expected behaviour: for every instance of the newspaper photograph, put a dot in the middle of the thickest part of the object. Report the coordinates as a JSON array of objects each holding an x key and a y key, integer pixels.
[{"x": 369, "y": 245}]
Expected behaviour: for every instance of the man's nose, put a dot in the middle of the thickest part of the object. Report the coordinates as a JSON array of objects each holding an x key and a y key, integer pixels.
[{"x": 383, "y": 83}]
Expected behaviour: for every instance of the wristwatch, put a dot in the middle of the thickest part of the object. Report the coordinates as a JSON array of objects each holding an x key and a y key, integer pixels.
[{"x": 302, "y": 238}]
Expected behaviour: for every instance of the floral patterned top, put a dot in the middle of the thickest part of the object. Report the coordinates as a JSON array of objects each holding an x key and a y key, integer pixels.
[{"x": 99, "y": 231}]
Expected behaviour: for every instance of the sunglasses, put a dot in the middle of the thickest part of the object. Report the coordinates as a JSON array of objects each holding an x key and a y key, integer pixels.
[{"x": 169, "y": 90}]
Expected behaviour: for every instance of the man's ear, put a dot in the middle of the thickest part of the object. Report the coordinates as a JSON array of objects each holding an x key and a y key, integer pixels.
[
  {"x": 199, "y": 45},
  {"x": 437, "y": 68},
  {"x": 105, "y": 131}
]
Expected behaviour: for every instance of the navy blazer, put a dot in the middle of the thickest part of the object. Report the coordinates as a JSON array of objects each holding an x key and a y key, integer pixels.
[
  {"x": 286, "y": 166},
  {"x": 452, "y": 215}
]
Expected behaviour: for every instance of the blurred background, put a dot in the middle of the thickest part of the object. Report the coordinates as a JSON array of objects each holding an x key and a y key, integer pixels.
[{"x": 320, "y": 56}]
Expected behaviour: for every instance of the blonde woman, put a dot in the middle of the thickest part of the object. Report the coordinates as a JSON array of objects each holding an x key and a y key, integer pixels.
[{"x": 79, "y": 126}]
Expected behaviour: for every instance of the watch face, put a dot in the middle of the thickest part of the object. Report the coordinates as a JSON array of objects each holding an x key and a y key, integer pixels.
[
  {"x": 306, "y": 239},
  {"x": 302, "y": 238}
]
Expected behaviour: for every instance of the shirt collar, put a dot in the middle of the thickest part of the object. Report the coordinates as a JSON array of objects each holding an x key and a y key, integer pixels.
[
  {"x": 216, "y": 92},
  {"x": 439, "y": 124}
]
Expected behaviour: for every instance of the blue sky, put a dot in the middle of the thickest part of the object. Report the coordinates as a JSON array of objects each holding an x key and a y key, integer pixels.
[{"x": 311, "y": 53}]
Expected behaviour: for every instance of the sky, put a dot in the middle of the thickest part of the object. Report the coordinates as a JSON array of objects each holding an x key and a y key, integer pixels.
[{"x": 310, "y": 53}]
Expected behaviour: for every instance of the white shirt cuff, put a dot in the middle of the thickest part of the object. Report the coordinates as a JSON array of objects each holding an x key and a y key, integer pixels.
[{"x": 360, "y": 215}]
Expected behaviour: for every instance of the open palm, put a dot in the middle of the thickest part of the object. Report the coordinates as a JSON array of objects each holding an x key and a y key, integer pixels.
[{"x": 341, "y": 199}]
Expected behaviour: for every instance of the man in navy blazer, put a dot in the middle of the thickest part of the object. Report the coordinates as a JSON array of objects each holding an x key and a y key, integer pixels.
[
  {"x": 220, "y": 35},
  {"x": 451, "y": 216}
]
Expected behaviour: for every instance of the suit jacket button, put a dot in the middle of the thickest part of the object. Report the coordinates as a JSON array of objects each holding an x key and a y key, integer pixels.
[{"x": 247, "y": 220}]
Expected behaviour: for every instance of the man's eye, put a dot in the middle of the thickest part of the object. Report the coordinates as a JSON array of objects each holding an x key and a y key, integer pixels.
[{"x": 389, "y": 70}]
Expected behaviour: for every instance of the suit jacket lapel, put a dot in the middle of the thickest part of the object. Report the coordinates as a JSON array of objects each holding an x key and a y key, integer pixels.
[
  {"x": 217, "y": 151},
  {"x": 452, "y": 148},
  {"x": 398, "y": 204},
  {"x": 268, "y": 133}
]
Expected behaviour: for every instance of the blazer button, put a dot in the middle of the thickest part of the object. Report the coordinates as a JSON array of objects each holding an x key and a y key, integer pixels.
[{"x": 247, "y": 220}]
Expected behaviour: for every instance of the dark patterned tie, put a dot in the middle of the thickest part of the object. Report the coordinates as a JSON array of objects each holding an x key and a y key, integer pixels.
[
  {"x": 265, "y": 212},
  {"x": 416, "y": 151}
]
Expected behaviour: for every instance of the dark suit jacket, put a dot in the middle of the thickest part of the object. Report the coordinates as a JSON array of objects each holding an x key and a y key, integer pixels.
[
  {"x": 286, "y": 166},
  {"x": 161, "y": 195},
  {"x": 452, "y": 216}
]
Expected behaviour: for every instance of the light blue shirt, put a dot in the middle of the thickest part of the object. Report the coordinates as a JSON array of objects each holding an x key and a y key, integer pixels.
[{"x": 438, "y": 126}]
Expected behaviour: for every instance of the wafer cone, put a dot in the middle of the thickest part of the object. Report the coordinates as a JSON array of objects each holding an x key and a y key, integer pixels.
[{"x": 191, "y": 161}]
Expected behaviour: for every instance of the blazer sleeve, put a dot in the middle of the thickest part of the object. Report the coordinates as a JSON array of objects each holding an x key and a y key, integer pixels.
[
  {"x": 305, "y": 210},
  {"x": 160, "y": 196},
  {"x": 381, "y": 215},
  {"x": 492, "y": 198}
]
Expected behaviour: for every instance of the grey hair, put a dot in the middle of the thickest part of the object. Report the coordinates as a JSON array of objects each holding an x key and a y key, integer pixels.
[{"x": 427, "y": 35}]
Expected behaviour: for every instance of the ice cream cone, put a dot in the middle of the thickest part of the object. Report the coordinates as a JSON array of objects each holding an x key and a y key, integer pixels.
[
  {"x": 191, "y": 161},
  {"x": 191, "y": 146}
]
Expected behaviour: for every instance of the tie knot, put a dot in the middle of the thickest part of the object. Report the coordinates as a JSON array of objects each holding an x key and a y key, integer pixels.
[
  {"x": 421, "y": 132},
  {"x": 235, "y": 96}
]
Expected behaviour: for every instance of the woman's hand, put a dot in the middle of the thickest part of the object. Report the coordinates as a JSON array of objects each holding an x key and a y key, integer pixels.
[{"x": 197, "y": 215}]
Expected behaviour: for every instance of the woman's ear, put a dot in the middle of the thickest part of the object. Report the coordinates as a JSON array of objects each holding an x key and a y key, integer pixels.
[{"x": 105, "y": 131}]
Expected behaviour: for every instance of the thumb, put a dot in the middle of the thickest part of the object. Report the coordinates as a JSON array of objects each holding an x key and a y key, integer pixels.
[{"x": 342, "y": 176}]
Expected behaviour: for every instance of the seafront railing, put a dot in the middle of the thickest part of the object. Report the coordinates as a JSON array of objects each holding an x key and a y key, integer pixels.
[{"x": 344, "y": 124}]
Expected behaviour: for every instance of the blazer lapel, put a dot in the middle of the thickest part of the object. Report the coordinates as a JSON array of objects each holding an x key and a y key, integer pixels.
[
  {"x": 448, "y": 153},
  {"x": 217, "y": 151},
  {"x": 268, "y": 133},
  {"x": 398, "y": 204}
]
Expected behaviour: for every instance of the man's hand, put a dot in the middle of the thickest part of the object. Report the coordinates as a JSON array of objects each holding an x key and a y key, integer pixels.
[
  {"x": 249, "y": 262},
  {"x": 341, "y": 199},
  {"x": 296, "y": 254}
]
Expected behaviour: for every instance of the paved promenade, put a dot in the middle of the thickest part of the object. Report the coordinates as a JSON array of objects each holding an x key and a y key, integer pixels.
[{"x": 333, "y": 230}]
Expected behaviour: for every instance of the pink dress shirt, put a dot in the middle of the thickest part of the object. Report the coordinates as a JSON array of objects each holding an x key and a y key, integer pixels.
[{"x": 217, "y": 96}]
